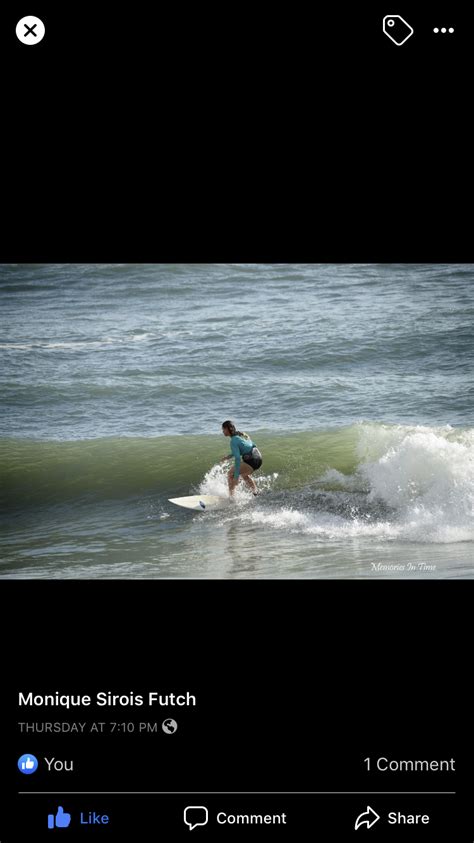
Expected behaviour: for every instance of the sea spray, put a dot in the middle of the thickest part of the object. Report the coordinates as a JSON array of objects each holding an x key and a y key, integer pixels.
[
  {"x": 427, "y": 476},
  {"x": 417, "y": 486}
]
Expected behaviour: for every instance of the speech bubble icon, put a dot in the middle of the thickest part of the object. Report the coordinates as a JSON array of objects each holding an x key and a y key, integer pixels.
[{"x": 195, "y": 815}]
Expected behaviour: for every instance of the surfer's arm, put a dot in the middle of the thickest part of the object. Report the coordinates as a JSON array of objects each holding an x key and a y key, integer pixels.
[{"x": 236, "y": 455}]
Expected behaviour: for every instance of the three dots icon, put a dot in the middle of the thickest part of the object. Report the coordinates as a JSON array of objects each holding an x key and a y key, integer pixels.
[{"x": 443, "y": 30}]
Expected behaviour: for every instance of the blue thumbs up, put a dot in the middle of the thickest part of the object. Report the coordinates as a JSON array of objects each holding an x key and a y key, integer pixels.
[{"x": 61, "y": 820}]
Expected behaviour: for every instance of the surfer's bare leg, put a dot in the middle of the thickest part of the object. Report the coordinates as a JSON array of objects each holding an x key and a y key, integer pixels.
[
  {"x": 246, "y": 473},
  {"x": 232, "y": 481}
]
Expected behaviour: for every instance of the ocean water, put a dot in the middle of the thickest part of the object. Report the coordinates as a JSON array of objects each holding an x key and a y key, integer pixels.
[{"x": 355, "y": 381}]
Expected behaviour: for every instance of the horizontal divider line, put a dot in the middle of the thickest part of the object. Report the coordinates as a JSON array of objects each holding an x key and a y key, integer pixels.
[{"x": 236, "y": 792}]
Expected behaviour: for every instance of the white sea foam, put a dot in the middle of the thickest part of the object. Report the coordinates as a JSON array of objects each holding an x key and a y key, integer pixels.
[
  {"x": 422, "y": 477},
  {"x": 74, "y": 345},
  {"x": 326, "y": 526},
  {"x": 215, "y": 483},
  {"x": 427, "y": 476},
  {"x": 333, "y": 479}
]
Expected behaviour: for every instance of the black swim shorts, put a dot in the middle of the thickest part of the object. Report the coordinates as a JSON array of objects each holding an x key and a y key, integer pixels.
[{"x": 253, "y": 458}]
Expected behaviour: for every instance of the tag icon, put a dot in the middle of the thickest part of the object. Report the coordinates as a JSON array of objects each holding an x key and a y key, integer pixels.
[{"x": 397, "y": 29}]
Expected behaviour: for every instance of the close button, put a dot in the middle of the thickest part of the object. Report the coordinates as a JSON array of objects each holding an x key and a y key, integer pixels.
[{"x": 30, "y": 30}]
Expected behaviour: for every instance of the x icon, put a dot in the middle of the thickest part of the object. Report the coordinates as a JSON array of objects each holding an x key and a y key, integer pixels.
[{"x": 30, "y": 29}]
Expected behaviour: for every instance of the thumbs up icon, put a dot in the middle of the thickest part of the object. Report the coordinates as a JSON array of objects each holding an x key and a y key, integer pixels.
[
  {"x": 27, "y": 764},
  {"x": 61, "y": 820}
]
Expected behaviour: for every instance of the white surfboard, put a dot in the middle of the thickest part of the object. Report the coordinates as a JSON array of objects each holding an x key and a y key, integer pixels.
[{"x": 200, "y": 503}]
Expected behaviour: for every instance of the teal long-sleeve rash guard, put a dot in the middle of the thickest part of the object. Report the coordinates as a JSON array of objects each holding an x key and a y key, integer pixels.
[{"x": 239, "y": 446}]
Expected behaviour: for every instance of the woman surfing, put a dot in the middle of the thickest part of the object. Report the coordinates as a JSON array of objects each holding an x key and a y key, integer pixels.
[{"x": 247, "y": 458}]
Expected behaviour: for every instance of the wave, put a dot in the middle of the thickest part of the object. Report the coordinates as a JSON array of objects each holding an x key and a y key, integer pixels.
[
  {"x": 386, "y": 481},
  {"x": 76, "y": 344},
  {"x": 46, "y": 470}
]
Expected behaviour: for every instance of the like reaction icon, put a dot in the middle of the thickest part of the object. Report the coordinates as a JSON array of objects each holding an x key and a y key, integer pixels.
[
  {"x": 61, "y": 820},
  {"x": 27, "y": 764}
]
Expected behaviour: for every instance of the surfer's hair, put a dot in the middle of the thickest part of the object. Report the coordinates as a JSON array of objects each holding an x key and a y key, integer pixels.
[{"x": 230, "y": 426}]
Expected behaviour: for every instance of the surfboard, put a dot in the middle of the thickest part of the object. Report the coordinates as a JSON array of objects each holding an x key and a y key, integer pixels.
[{"x": 200, "y": 503}]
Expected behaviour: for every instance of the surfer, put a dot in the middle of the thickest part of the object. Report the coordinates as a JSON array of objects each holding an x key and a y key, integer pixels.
[{"x": 247, "y": 458}]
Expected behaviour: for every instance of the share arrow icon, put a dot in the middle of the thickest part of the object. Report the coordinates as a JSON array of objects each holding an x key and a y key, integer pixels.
[{"x": 368, "y": 818}]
